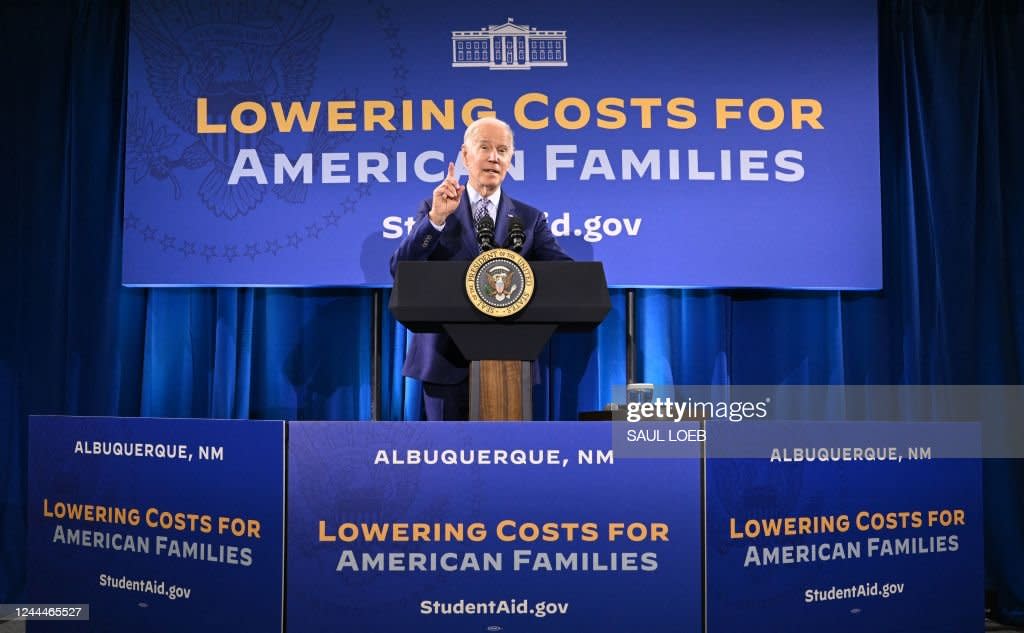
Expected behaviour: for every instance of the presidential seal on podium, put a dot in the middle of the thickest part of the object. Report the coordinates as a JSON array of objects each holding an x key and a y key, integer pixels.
[{"x": 499, "y": 282}]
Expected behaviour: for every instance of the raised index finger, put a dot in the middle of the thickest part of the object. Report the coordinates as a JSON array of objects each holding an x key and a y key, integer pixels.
[{"x": 451, "y": 171}]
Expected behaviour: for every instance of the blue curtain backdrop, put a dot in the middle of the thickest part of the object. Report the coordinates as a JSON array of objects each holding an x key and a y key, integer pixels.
[{"x": 73, "y": 341}]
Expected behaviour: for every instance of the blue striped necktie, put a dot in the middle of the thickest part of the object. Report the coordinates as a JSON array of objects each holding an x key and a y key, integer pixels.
[{"x": 482, "y": 207}]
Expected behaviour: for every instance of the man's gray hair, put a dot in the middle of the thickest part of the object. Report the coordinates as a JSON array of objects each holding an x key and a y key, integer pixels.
[{"x": 471, "y": 130}]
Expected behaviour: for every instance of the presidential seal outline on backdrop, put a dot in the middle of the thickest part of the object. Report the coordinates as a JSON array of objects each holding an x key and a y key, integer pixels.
[{"x": 149, "y": 137}]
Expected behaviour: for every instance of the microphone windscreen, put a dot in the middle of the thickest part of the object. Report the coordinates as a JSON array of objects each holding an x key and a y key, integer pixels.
[{"x": 485, "y": 232}]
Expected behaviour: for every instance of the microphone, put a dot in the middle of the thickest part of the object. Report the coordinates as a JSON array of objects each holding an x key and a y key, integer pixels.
[
  {"x": 516, "y": 234},
  {"x": 485, "y": 232}
]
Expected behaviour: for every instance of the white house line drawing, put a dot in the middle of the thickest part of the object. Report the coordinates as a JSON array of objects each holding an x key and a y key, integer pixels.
[{"x": 509, "y": 46}]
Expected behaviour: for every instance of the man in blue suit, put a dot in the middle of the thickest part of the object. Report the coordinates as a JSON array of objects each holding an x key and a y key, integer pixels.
[{"x": 445, "y": 229}]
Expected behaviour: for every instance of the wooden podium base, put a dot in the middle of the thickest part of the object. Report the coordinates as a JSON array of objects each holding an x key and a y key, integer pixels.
[{"x": 500, "y": 390}]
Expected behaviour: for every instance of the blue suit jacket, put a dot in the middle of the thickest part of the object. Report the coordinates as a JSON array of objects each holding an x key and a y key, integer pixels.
[{"x": 434, "y": 357}]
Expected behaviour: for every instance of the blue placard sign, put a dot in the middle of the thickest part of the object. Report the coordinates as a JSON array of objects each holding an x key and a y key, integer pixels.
[
  {"x": 157, "y": 524},
  {"x": 488, "y": 527},
  {"x": 844, "y": 527}
]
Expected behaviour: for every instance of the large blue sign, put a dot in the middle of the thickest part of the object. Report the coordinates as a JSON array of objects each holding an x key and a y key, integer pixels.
[
  {"x": 157, "y": 524},
  {"x": 710, "y": 143},
  {"x": 844, "y": 527},
  {"x": 488, "y": 527}
]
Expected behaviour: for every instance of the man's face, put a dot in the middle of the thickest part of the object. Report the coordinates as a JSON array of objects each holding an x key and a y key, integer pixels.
[{"x": 487, "y": 157}]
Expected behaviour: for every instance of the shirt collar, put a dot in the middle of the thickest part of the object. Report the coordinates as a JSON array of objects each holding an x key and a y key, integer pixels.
[{"x": 474, "y": 198}]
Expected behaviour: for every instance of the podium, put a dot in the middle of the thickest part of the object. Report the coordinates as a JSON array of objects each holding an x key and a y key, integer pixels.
[{"x": 431, "y": 297}]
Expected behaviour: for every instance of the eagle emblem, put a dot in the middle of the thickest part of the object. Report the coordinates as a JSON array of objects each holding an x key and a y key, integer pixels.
[
  {"x": 227, "y": 54},
  {"x": 499, "y": 282}
]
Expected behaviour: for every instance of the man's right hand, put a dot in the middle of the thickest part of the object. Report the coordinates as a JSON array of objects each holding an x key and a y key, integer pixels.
[{"x": 447, "y": 196}]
